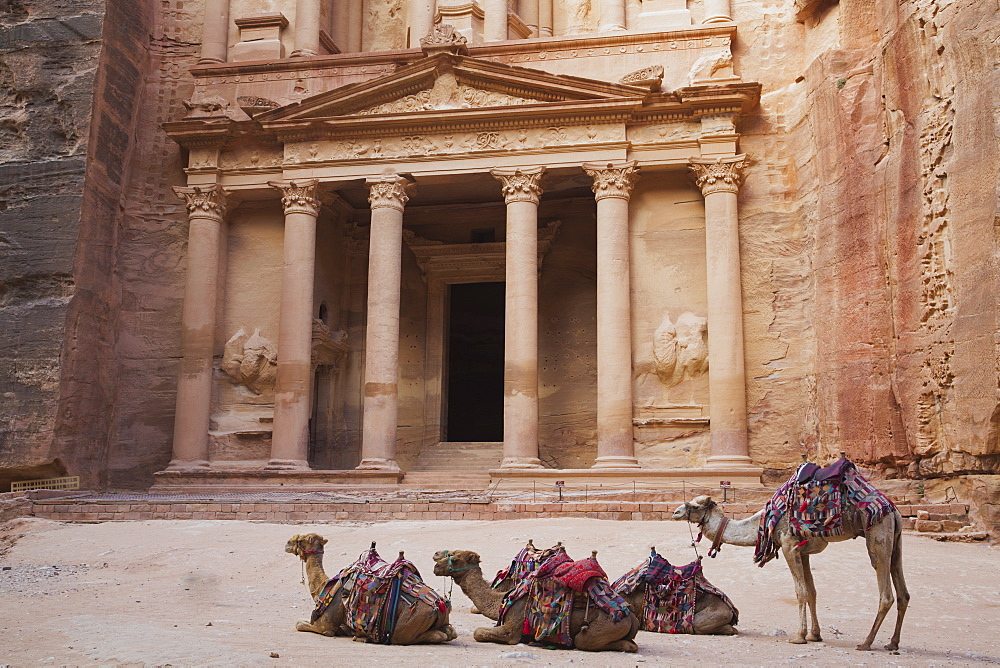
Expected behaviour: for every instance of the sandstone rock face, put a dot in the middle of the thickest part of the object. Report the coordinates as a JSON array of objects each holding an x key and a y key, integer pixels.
[{"x": 869, "y": 246}]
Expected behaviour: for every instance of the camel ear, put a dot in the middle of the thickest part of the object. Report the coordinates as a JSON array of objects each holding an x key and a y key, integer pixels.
[
  {"x": 325, "y": 541},
  {"x": 472, "y": 558}
]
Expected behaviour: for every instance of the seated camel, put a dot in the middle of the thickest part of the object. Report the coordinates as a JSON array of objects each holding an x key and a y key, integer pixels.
[
  {"x": 421, "y": 615},
  {"x": 590, "y": 627},
  {"x": 667, "y": 599}
]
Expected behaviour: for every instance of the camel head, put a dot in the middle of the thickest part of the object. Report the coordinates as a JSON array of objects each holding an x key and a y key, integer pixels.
[
  {"x": 696, "y": 510},
  {"x": 449, "y": 562},
  {"x": 302, "y": 545}
]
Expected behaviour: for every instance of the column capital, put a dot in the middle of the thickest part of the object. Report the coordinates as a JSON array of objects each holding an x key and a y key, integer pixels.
[
  {"x": 389, "y": 191},
  {"x": 520, "y": 185},
  {"x": 718, "y": 175},
  {"x": 203, "y": 201},
  {"x": 612, "y": 179},
  {"x": 298, "y": 196}
]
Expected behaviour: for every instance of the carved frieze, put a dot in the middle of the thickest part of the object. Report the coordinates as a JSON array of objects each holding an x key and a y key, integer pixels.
[{"x": 449, "y": 143}]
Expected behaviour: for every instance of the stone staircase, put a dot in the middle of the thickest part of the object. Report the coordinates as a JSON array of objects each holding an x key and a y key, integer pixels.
[{"x": 459, "y": 456}]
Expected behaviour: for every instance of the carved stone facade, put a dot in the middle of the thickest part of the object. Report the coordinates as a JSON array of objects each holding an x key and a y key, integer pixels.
[{"x": 807, "y": 246}]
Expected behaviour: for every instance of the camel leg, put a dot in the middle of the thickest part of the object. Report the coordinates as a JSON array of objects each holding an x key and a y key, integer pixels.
[
  {"x": 321, "y": 629},
  {"x": 603, "y": 634},
  {"x": 794, "y": 561},
  {"x": 899, "y": 583},
  {"x": 443, "y": 634},
  {"x": 713, "y": 616},
  {"x": 508, "y": 634},
  {"x": 814, "y": 630},
  {"x": 880, "y": 553}
]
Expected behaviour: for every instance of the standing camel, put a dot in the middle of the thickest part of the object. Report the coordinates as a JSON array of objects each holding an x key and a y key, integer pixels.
[
  {"x": 885, "y": 549},
  {"x": 595, "y": 632},
  {"x": 416, "y": 622}
]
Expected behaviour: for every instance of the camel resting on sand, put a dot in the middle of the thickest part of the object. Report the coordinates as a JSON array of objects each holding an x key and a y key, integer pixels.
[
  {"x": 595, "y": 632},
  {"x": 416, "y": 622},
  {"x": 712, "y": 614},
  {"x": 883, "y": 540}
]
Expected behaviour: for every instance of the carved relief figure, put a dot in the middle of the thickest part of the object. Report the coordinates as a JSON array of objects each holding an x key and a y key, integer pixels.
[
  {"x": 251, "y": 361},
  {"x": 577, "y": 13},
  {"x": 680, "y": 350}
]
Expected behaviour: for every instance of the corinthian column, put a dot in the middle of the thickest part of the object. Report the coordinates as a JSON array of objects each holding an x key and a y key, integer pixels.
[
  {"x": 387, "y": 196},
  {"x": 215, "y": 32},
  {"x": 206, "y": 212},
  {"x": 719, "y": 181},
  {"x": 521, "y": 192},
  {"x": 613, "y": 183},
  {"x": 290, "y": 438}
]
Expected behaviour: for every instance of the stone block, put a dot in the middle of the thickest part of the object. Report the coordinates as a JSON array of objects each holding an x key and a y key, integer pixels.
[
  {"x": 927, "y": 526},
  {"x": 952, "y": 525}
]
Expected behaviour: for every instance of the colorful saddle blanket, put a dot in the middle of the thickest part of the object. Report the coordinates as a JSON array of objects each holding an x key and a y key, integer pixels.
[
  {"x": 814, "y": 500},
  {"x": 671, "y": 594},
  {"x": 524, "y": 563},
  {"x": 552, "y": 590},
  {"x": 373, "y": 591}
]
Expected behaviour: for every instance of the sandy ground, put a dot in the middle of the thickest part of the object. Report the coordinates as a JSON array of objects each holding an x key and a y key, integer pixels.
[{"x": 225, "y": 593}]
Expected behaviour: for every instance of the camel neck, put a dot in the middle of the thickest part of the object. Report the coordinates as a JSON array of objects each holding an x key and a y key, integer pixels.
[
  {"x": 315, "y": 574},
  {"x": 474, "y": 585},
  {"x": 737, "y": 532}
]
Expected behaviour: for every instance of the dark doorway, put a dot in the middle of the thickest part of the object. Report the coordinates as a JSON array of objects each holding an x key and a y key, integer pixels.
[{"x": 475, "y": 362}]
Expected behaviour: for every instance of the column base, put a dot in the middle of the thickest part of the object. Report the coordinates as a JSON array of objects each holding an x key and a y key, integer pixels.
[
  {"x": 187, "y": 465},
  {"x": 521, "y": 463},
  {"x": 727, "y": 461},
  {"x": 377, "y": 464},
  {"x": 287, "y": 465},
  {"x": 616, "y": 462}
]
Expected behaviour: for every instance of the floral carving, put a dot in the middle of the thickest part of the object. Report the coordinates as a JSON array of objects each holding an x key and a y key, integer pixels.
[
  {"x": 719, "y": 175},
  {"x": 298, "y": 196},
  {"x": 470, "y": 98},
  {"x": 388, "y": 192},
  {"x": 520, "y": 185},
  {"x": 612, "y": 179},
  {"x": 648, "y": 77},
  {"x": 443, "y": 37},
  {"x": 203, "y": 202}
]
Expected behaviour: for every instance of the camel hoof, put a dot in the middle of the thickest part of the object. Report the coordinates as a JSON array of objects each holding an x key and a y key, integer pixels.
[
  {"x": 797, "y": 641},
  {"x": 892, "y": 647},
  {"x": 303, "y": 626},
  {"x": 814, "y": 637},
  {"x": 864, "y": 648}
]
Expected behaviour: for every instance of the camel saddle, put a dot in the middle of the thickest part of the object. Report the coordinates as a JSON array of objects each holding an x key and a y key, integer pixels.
[
  {"x": 553, "y": 590},
  {"x": 814, "y": 499}
]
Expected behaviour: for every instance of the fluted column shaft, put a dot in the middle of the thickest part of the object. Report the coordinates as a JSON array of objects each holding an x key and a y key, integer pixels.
[
  {"x": 290, "y": 438},
  {"x": 307, "y": 19},
  {"x": 494, "y": 20},
  {"x": 613, "y": 183},
  {"x": 719, "y": 181},
  {"x": 521, "y": 192},
  {"x": 215, "y": 32},
  {"x": 206, "y": 213},
  {"x": 388, "y": 196}
]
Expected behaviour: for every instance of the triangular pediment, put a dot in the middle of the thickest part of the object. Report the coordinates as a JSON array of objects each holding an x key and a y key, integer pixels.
[{"x": 445, "y": 82}]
